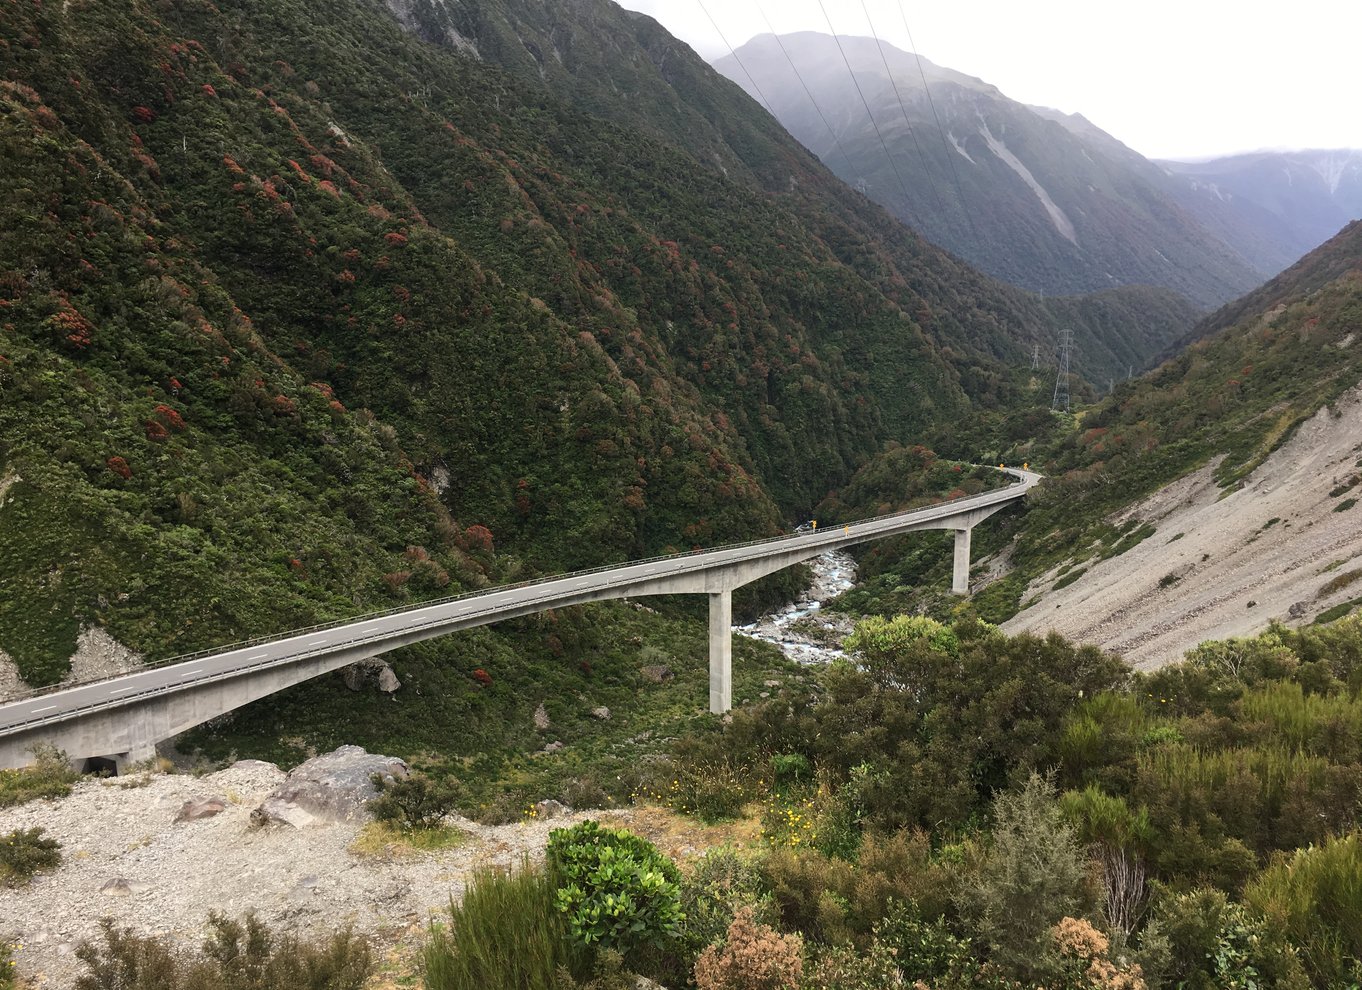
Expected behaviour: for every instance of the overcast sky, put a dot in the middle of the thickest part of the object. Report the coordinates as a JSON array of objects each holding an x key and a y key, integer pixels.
[{"x": 1170, "y": 78}]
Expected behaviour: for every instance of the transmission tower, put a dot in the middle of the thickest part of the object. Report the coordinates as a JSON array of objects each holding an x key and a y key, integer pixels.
[
  {"x": 1035, "y": 357},
  {"x": 1061, "y": 399}
]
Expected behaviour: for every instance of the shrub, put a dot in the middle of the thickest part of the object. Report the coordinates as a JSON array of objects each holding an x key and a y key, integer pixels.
[
  {"x": 1209, "y": 943},
  {"x": 614, "y": 889},
  {"x": 25, "y": 852},
  {"x": 415, "y": 802},
  {"x": 712, "y": 891},
  {"x": 235, "y": 956},
  {"x": 753, "y": 957},
  {"x": 1315, "y": 897},
  {"x": 506, "y": 934},
  {"x": 49, "y": 776},
  {"x": 1031, "y": 877}
]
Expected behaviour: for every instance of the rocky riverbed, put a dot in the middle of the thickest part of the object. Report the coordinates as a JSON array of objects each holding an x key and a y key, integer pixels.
[{"x": 802, "y": 629}]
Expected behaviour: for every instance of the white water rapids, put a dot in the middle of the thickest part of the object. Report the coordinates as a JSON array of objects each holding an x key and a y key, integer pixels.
[{"x": 800, "y": 630}]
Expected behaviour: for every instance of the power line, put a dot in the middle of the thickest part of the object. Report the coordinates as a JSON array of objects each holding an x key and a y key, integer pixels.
[
  {"x": 760, "y": 94},
  {"x": 855, "y": 82},
  {"x": 808, "y": 92},
  {"x": 950, "y": 158},
  {"x": 926, "y": 171}
]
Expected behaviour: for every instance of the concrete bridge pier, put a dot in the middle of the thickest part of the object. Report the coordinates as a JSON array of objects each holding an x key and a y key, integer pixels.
[
  {"x": 720, "y": 652},
  {"x": 960, "y": 579}
]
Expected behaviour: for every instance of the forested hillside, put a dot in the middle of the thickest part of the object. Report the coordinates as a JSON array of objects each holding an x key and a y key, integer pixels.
[{"x": 304, "y": 315}]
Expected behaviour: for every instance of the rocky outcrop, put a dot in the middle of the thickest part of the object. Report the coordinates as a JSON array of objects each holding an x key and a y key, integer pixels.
[
  {"x": 333, "y": 787},
  {"x": 541, "y": 718},
  {"x": 658, "y": 674}
]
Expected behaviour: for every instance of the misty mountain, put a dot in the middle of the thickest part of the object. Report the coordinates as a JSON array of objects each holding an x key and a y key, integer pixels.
[
  {"x": 1273, "y": 205},
  {"x": 1039, "y": 199}
]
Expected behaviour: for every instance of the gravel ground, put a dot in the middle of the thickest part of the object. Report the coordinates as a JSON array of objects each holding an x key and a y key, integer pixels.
[
  {"x": 296, "y": 880},
  {"x": 1235, "y": 571}
]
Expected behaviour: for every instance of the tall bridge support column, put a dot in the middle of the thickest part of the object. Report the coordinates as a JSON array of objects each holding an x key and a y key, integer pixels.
[
  {"x": 720, "y": 652},
  {"x": 960, "y": 579}
]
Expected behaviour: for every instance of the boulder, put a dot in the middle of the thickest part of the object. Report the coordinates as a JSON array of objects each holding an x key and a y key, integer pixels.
[
  {"x": 1298, "y": 610},
  {"x": 658, "y": 674},
  {"x": 387, "y": 680},
  {"x": 370, "y": 673},
  {"x": 192, "y": 811},
  {"x": 333, "y": 787},
  {"x": 601, "y": 713},
  {"x": 552, "y": 747},
  {"x": 551, "y": 809},
  {"x": 541, "y": 717}
]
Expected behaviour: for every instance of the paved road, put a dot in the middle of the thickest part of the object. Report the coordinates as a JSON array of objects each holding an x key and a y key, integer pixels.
[{"x": 59, "y": 704}]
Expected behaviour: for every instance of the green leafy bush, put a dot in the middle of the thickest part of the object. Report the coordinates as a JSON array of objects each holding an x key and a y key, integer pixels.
[
  {"x": 614, "y": 888},
  {"x": 235, "y": 956},
  {"x": 25, "y": 852},
  {"x": 505, "y": 934},
  {"x": 414, "y": 802}
]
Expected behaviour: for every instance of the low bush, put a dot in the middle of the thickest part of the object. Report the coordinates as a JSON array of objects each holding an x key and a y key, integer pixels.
[
  {"x": 49, "y": 776},
  {"x": 753, "y": 956},
  {"x": 615, "y": 889},
  {"x": 415, "y": 802},
  {"x": 505, "y": 934},
  {"x": 714, "y": 889},
  {"x": 25, "y": 852},
  {"x": 235, "y": 956}
]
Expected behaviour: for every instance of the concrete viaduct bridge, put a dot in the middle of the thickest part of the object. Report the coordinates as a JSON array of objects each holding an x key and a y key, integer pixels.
[{"x": 119, "y": 720}]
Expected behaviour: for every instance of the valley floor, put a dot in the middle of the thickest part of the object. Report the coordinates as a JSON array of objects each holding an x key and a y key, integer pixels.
[{"x": 1280, "y": 548}]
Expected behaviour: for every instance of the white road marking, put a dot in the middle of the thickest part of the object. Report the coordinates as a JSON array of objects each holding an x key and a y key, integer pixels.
[
  {"x": 124, "y": 690},
  {"x": 256, "y": 657},
  {"x": 35, "y": 711},
  {"x": 190, "y": 673}
]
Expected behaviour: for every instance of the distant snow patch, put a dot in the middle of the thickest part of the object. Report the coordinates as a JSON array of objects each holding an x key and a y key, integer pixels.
[{"x": 1057, "y": 217}]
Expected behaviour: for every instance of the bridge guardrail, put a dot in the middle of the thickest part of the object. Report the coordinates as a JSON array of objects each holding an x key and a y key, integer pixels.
[{"x": 814, "y": 538}]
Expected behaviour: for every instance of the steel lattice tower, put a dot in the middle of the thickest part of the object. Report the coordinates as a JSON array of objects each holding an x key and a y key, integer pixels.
[{"x": 1066, "y": 343}]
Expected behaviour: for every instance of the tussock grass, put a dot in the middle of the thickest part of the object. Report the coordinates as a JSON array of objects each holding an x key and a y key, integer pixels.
[{"x": 506, "y": 934}]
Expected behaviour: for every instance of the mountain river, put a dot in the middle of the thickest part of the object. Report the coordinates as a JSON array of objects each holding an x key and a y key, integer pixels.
[{"x": 800, "y": 629}]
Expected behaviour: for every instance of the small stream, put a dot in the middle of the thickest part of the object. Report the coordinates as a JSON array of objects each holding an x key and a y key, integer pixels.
[{"x": 799, "y": 629}]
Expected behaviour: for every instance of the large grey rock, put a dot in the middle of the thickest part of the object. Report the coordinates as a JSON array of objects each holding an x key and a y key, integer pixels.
[
  {"x": 332, "y": 787},
  {"x": 192, "y": 811},
  {"x": 602, "y": 713},
  {"x": 657, "y": 674},
  {"x": 541, "y": 717},
  {"x": 370, "y": 673}
]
